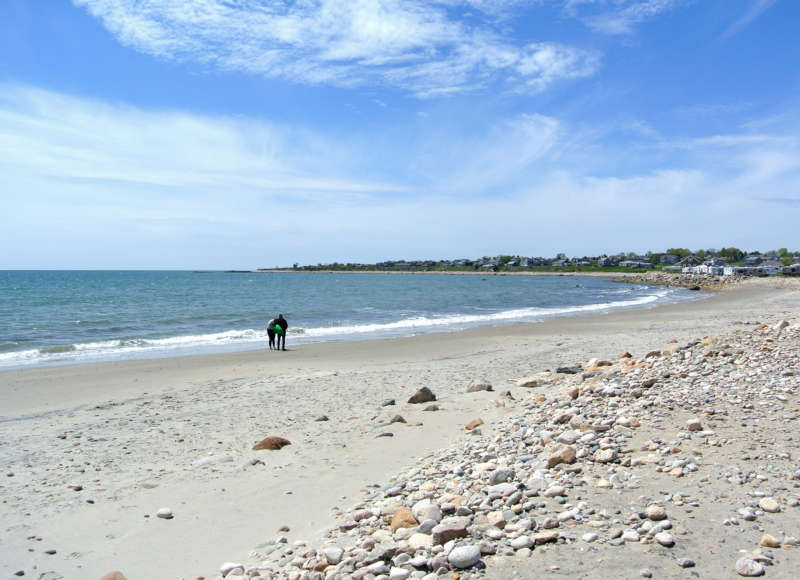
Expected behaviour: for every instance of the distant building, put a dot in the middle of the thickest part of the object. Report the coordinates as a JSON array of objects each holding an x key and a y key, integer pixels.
[
  {"x": 669, "y": 259},
  {"x": 635, "y": 264}
]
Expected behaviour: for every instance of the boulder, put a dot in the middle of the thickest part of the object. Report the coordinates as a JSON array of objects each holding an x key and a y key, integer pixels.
[
  {"x": 271, "y": 443},
  {"x": 475, "y": 387},
  {"x": 424, "y": 395}
]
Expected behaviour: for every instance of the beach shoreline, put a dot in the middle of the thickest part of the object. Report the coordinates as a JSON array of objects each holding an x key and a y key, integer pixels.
[{"x": 146, "y": 434}]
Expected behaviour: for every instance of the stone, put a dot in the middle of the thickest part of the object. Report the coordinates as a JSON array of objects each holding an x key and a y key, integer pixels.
[
  {"x": 419, "y": 540},
  {"x": 229, "y": 567},
  {"x": 605, "y": 455},
  {"x": 528, "y": 382},
  {"x": 450, "y": 529},
  {"x": 769, "y": 505},
  {"x": 427, "y": 510},
  {"x": 464, "y": 556},
  {"x": 521, "y": 542},
  {"x": 333, "y": 554},
  {"x": 768, "y": 541},
  {"x": 694, "y": 425},
  {"x": 474, "y": 423},
  {"x": 665, "y": 539},
  {"x": 165, "y": 513},
  {"x": 396, "y": 573},
  {"x": 423, "y": 395},
  {"x": 564, "y": 454},
  {"x": 501, "y": 475},
  {"x": 656, "y": 513},
  {"x": 398, "y": 419},
  {"x": 546, "y": 537},
  {"x": 748, "y": 567},
  {"x": 322, "y": 418},
  {"x": 271, "y": 443},
  {"x": 403, "y": 518},
  {"x": 476, "y": 387},
  {"x": 589, "y": 537},
  {"x": 573, "y": 370},
  {"x": 554, "y": 491},
  {"x": 115, "y": 575}
]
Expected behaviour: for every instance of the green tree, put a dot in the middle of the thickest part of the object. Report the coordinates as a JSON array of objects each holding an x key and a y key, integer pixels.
[
  {"x": 680, "y": 252},
  {"x": 731, "y": 254}
]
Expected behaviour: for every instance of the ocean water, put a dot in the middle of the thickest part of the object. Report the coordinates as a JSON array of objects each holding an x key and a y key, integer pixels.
[{"x": 62, "y": 317}]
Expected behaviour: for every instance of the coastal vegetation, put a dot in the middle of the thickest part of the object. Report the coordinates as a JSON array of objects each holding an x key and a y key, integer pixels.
[{"x": 672, "y": 259}]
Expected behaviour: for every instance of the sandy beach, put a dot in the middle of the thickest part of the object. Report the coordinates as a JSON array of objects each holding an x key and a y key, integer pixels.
[{"x": 90, "y": 453}]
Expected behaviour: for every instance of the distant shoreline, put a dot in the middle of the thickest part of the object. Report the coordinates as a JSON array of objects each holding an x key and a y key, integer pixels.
[{"x": 612, "y": 274}]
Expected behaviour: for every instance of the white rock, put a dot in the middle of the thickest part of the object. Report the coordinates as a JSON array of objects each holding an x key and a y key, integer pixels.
[
  {"x": 589, "y": 537},
  {"x": 165, "y": 513},
  {"x": 665, "y": 539},
  {"x": 748, "y": 567},
  {"x": 464, "y": 556}
]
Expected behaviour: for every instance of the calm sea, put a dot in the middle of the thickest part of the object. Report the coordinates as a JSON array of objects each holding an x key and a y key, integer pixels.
[{"x": 58, "y": 317}]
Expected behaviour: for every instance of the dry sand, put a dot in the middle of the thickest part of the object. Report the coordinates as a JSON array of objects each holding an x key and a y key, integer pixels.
[{"x": 177, "y": 433}]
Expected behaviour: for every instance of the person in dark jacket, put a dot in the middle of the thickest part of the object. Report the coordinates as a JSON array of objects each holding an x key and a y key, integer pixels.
[{"x": 281, "y": 326}]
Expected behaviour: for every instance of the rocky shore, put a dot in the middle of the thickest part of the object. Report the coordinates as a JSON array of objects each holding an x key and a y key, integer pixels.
[
  {"x": 666, "y": 464},
  {"x": 692, "y": 281}
]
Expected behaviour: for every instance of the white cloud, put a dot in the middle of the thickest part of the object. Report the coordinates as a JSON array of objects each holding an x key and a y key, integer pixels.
[
  {"x": 617, "y": 17},
  {"x": 92, "y": 184},
  {"x": 411, "y": 44},
  {"x": 757, "y": 8}
]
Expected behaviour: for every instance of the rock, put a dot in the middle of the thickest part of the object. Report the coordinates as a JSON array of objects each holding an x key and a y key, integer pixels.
[
  {"x": 396, "y": 573},
  {"x": 554, "y": 491},
  {"x": 529, "y": 382},
  {"x": 271, "y": 443},
  {"x": 472, "y": 424},
  {"x": 165, "y": 513},
  {"x": 694, "y": 425},
  {"x": 501, "y": 475},
  {"x": 573, "y": 392},
  {"x": 397, "y": 419},
  {"x": 403, "y": 518},
  {"x": 748, "y": 567},
  {"x": 388, "y": 403},
  {"x": 419, "y": 540},
  {"x": 546, "y": 537},
  {"x": 229, "y": 567},
  {"x": 768, "y": 541},
  {"x": 464, "y": 556},
  {"x": 427, "y": 510},
  {"x": 574, "y": 370},
  {"x": 686, "y": 563},
  {"x": 476, "y": 387},
  {"x": 665, "y": 539},
  {"x": 589, "y": 537},
  {"x": 450, "y": 529},
  {"x": 521, "y": 542},
  {"x": 431, "y": 408},
  {"x": 424, "y": 395},
  {"x": 321, "y": 418},
  {"x": 333, "y": 554},
  {"x": 605, "y": 455},
  {"x": 656, "y": 513},
  {"x": 115, "y": 575},
  {"x": 769, "y": 505},
  {"x": 564, "y": 454}
]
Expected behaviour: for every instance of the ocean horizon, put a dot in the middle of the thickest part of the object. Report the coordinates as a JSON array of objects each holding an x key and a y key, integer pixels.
[{"x": 52, "y": 317}]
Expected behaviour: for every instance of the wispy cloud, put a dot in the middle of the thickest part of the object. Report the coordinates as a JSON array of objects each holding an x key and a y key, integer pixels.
[
  {"x": 756, "y": 9},
  {"x": 411, "y": 44},
  {"x": 617, "y": 17}
]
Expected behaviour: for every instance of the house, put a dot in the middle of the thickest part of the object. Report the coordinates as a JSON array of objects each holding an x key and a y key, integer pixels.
[
  {"x": 753, "y": 260},
  {"x": 561, "y": 263},
  {"x": 793, "y": 270},
  {"x": 635, "y": 264},
  {"x": 669, "y": 259},
  {"x": 605, "y": 261}
]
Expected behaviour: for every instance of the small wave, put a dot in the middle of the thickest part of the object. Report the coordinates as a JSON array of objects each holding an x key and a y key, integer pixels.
[{"x": 57, "y": 349}]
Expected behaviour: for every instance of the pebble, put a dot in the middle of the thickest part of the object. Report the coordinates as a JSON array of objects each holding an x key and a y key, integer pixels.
[
  {"x": 165, "y": 513},
  {"x": 464, "y": 556}
]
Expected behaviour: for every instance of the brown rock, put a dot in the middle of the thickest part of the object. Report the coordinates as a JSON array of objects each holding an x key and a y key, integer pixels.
[
  {"x": 564, "y": 454},
  {"x": 424, "y": 395},
  {"x": 472, "y": 424},
  {"x": 398, "y": 419},
  {"x": 649, "y": 383},
  {"x": 403, "y": 518},
  {"x": 450, "y": 529},
  {"x": 271, "y": 443},
  {"x": 768, "y": 541},
  {"x": 626, "y": 355},
  {"x": 653, "y": 353},
  {"x": 573, "y": 393},
  {"x": 545, "y": 537},
  {"x": 115, "y": 575}
]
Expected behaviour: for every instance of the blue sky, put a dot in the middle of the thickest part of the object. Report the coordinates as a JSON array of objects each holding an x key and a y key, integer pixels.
[{"x": 239, "y": 134}]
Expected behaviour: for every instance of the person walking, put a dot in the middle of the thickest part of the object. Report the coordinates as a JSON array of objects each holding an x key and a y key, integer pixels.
[{"x": 281, "y": 326}]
